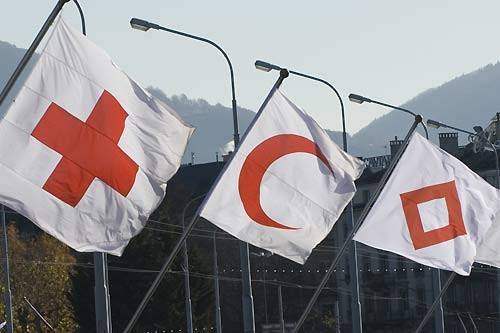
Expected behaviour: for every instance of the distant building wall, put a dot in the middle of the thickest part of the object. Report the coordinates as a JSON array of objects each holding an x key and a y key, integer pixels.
[
  {"x": 395, "y": 145},
  {"x": 449, "y": 142}
]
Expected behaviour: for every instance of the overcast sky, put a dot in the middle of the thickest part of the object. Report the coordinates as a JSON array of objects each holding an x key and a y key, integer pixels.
[{"x": 386, "y": 49}]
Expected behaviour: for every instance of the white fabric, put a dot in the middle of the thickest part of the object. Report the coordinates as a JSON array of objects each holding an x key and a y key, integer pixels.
[
  {"x": 489, "y": 250},
  {"x": 422, "y": 165},
  {"x": 73, "y": 73},
  {"x": 297, "y": 190}
]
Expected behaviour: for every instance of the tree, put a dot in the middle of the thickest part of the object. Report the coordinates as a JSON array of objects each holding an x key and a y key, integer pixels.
[{"x": 41, "y": 269}]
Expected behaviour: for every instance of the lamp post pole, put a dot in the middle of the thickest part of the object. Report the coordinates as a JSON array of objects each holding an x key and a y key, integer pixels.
[
  {"x": 357, "y": 319},
  {"x": 187, "y": 287},
  {"x": 8, "y": 291},
  {"x": 361, "y": 99},
  {"x": 280, "y": 307},
  {"x": 218, "y": 321},
  {"x": 102, "y": 301},
  {"x": 247, "y": 298}
]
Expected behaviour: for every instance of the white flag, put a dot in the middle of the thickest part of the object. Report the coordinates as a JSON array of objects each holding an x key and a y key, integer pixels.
[
  {"x": 433, "y": 210},
  {"x": 286, "y": 185},
  {"x": 85, "y": 153}
]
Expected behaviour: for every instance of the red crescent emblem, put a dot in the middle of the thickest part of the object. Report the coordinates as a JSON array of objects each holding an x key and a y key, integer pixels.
[{"x": 256, "y": 165}]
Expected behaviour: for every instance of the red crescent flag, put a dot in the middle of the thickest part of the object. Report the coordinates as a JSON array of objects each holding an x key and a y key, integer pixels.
[
  {"x": 85, "y": 153},
  {"x": 286, "y": 185}
]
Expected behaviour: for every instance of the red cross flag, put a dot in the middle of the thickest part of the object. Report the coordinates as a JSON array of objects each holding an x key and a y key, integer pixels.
[
  {"x": 286, "y": 185},
  {"x": 433, "y": 210},
  {"x": 85, "y": 153}
]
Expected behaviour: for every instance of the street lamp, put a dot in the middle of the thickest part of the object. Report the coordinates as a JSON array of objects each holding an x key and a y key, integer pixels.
[
  {"x": 143, "y": 25},
  {"x": 247, "y": 299},
  {"x": 480, "y": 135},
  {"x": 267, "y": 67},
  {"x": 361, "y": 99},
  {"x": 356, "y": 306}
]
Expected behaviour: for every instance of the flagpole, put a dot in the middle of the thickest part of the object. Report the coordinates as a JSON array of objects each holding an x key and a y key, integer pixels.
[
  {"x": 168, "y": 262},
  {"x": 437, "y": 301},
  {"x": 218, "y": 320},
  {"x": 31, "y": 50},
  {"x": 381, "y": 184},
  {"x": 8, "y": 291},
  {"x": 187, "y": 287}
]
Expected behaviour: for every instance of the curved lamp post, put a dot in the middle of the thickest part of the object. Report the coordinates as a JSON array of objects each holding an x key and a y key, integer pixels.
[
  {"x": 247, "y": 298},
  {"x": 143, "y": 25},
  {"x": 82, "y": 17},
  {"x": 361, "y": 99},
  {"x": 267, "y": 67},
  {"x": 357, "y": 323}
]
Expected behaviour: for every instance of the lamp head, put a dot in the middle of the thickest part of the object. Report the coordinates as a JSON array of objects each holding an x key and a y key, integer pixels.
[
  {"x": 358, "y": 99},
  {"x": 265, "y": 66},
  {"x": 433, "y": 123},
  {"x": 478, "y": 129},
  {"x": 139, "y": 24}
]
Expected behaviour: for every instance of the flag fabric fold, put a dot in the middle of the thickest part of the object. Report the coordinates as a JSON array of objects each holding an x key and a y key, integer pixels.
[
  {"x": 433, "y": 210},
  {"x": 85, "y": 152},
  {"x": 286, "y": 185}
]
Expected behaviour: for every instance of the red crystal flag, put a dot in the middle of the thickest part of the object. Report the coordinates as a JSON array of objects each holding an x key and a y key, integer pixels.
[{"x": 433, "y": 210}]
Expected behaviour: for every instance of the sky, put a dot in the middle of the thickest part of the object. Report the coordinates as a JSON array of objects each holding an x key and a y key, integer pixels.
[{"x": 390, "y": 50}]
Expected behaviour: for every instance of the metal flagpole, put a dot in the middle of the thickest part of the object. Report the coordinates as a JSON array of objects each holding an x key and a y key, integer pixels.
[
  {"x": 280, "y": 307},
  {"x": 3, "y": 95},
  {"x": 31, "y": 50},
  {"x": 439, "y": 315},
  {"x": 101, "y": 293},
  {"x": 337, "y": 317},
  {"x": 8, "y": 291},
  {"x": 385, "y": 177},
  {"x": 187, "y": 289},
  {"x": 218, "y": 321},
  {"x": 166, "y": 266},
  {"x": 437, "y": 301}
]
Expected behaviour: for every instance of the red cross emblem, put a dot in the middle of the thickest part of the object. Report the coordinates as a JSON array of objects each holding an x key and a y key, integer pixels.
[
  {"x": 421, "y": 238},
  {"x": 89, "y": 149}
]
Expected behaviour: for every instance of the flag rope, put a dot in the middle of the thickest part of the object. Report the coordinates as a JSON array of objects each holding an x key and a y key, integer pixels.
[{"x": 385, "y": 177}]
